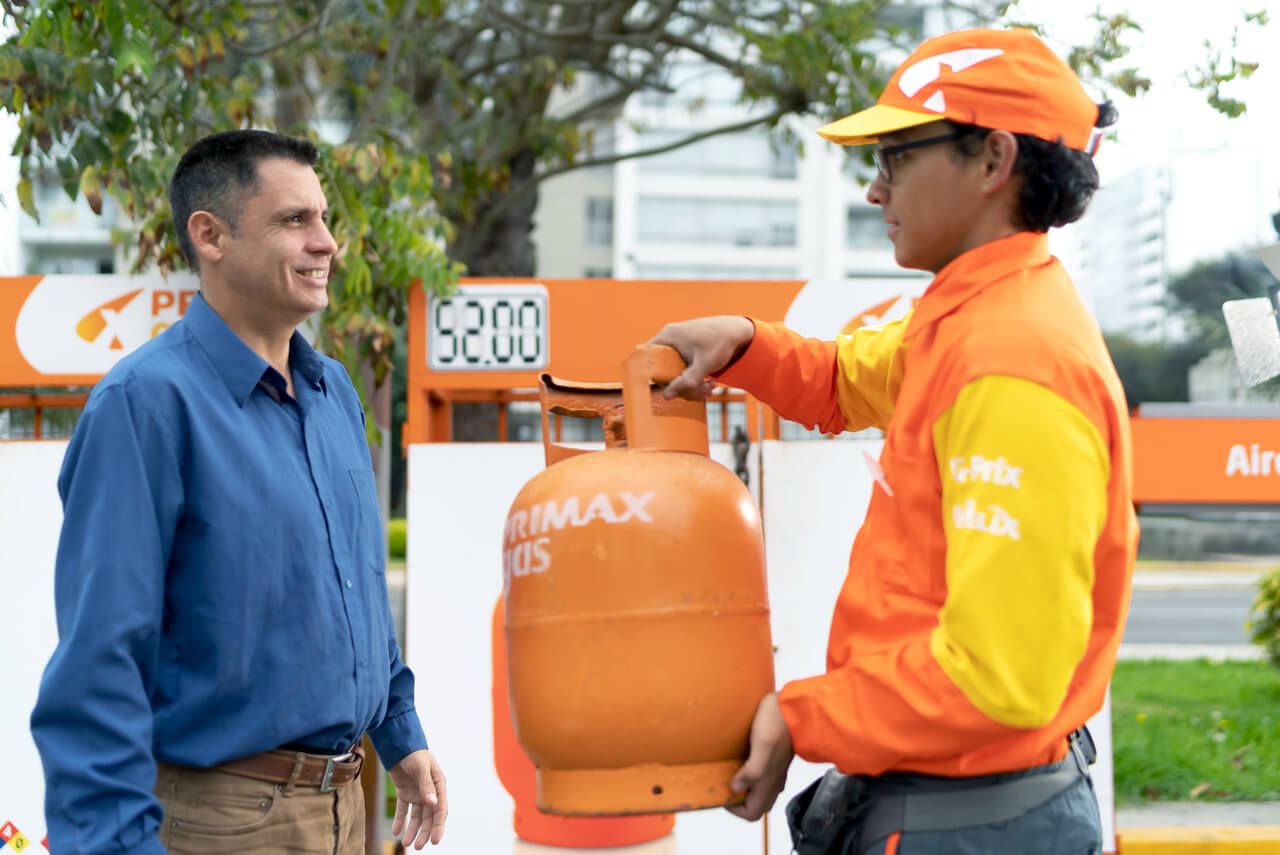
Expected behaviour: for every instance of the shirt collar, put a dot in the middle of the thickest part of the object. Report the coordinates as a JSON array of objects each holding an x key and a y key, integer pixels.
[
  {"x": 971, "y": 272},
  {"x": 304, "y": 359},
  {"x": 236, "y": 363}
]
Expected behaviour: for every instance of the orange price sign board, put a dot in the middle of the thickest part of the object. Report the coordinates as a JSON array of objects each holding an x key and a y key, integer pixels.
[{"x": 500, "y": 334}]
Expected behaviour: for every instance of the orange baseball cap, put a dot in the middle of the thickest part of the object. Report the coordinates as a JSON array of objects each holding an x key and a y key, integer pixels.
[{"x": 1000, "y": 79}]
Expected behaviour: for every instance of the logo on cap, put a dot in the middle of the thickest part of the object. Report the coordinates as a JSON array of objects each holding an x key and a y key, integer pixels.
[{"x": 920, "y": 74}]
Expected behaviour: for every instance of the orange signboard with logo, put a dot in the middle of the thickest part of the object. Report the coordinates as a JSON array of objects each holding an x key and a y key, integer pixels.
[
  {"x": 70, "y": 330},
  {"x": 1182, "y": 460},
  {"x": 495, "y": 336}
]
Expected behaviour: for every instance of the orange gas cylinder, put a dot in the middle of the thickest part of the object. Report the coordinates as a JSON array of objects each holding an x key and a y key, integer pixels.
[{"x": 637, "y": 616}]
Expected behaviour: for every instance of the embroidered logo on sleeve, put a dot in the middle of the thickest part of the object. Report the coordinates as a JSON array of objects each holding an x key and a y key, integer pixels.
[
  {"x": 977, "y": 468},
  {"x": 994, "y": 520}
]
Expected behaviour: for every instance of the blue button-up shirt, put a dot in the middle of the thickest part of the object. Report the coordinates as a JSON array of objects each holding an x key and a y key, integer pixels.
[{"x": 220, "y": 582}]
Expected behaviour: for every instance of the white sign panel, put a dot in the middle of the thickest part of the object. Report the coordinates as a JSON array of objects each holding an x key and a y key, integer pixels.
[
  {"x": 30, "y": 516},
  {"x": 457, "y": 509}
]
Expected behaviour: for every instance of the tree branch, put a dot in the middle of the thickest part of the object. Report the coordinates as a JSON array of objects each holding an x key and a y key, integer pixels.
[
  {"x": 850, "y": 76},
  {"x": 579, "y": 3},
  {"x": 464, "y": 43},
  {"x": 733, "y": 65},
  {"x": 510, "y": 199},
  {"x": 492, "y": 63},
  {"x": 319, "y": 21},
  {"x": 628, "y": 87},
  {"x": 746, "y": 124},
  {"x": 549, "y": 35},
  {"x": 661, "y": 18},
  {"x": 379, "y": 99}
]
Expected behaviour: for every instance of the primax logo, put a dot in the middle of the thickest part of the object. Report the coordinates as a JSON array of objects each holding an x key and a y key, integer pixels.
[
  {"x": 1252, "y": 463},
  {"x": 83, "y": 325},
  {"x": 104, "y": 318}
]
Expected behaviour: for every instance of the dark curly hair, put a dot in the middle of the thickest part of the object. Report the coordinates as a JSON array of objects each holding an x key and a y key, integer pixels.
[
  {"x": 220, "y": 171},
  {"x": 1057, "y": 182}
]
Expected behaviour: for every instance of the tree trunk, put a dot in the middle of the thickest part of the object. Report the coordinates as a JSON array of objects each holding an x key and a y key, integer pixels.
[{"x": 505, "y": 248}]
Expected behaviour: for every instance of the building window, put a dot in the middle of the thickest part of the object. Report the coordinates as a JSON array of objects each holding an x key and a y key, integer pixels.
[
  {"x": 865, "y": 229},
  {"x": 724, "y": 222},
  {"x": 600, "y": 222},
  {"x": 599, "y": 141},
  {"x": 699, "y": 83},
  {"x": 597, "y": 273},
  {"x": 81, "y": 260},
  {"x": 747, "y": 154},
  {"x": 699, "y": 272}
]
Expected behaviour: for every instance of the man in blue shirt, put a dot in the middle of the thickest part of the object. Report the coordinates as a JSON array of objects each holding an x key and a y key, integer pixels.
[{"x": 225, "y": 637}]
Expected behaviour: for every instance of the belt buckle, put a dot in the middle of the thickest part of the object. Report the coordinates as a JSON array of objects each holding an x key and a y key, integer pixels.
[{"x": 326, "y": 783}]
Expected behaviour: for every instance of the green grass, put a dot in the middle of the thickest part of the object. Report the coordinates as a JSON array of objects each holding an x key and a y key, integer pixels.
[
  {"x": 1196, "y": 730},
  {"x": 397, "y": 537}
]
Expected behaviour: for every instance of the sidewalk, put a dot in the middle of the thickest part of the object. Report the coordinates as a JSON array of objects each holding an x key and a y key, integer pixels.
[
  {"x": 1173, "y": 575},
  {"x": 1200, "y": 828}
]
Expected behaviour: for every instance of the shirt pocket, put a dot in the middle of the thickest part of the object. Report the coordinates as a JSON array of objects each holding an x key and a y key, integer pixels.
[
  {"x": 911, "y": 528},
  {"x": 367, "y": 537}
]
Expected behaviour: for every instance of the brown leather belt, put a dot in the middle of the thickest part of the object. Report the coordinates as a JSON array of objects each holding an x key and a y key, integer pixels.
[{"x": 303, "y": 770}]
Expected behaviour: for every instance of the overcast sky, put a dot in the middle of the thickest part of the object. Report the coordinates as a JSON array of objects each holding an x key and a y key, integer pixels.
[{"x": 1172, "y": 42}]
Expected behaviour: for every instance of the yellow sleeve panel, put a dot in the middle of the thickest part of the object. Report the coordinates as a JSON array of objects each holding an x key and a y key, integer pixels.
[
  {"x": 869, "y": 368},
  {"x": 1024, "y": 500},
  {"x": 849, "y": 384}
]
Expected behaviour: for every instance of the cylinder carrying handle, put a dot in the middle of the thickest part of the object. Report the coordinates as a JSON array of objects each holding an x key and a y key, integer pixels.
[{"x": 680, "y": 425}]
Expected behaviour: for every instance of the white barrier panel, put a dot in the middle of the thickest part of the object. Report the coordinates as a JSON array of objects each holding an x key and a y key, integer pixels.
[
  {"x": 815, "y": 495},
  {"x": 458, "y": 500},
  {"x": 30, "y": 516}
]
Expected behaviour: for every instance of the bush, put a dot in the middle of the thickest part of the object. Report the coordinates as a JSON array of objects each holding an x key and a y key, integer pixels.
[
  {"x": 1264, "y": 620},
  {"x": 397, "y": 536}
]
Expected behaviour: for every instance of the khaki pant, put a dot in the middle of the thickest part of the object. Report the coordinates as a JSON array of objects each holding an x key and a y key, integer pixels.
[{"x": 210, "y": 812}]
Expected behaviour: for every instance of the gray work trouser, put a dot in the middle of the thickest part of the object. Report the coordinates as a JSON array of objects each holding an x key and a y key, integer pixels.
[
  {"x": 1068, "y": 824},
  {"x": 1046, "y": 810}
]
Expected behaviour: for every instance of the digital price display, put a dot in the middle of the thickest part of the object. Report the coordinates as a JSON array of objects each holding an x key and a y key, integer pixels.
[{"x": 489, "y": 328}]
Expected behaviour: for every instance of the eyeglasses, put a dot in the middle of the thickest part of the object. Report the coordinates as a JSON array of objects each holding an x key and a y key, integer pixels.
[{"x": 884, "y": 157}]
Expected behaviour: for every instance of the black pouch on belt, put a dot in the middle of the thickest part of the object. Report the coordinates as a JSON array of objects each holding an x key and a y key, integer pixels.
[{"x": 822, "y": 816}]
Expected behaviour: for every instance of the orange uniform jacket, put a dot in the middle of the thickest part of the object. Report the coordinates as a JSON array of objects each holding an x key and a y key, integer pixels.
[{"x": 989, "y": 584}]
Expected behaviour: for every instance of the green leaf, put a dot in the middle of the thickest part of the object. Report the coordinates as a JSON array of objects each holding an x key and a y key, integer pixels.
[
  {"x": 91, "y": 187},
  {"x": 119, "y": 125},
  {"x": 67, "y": 32},
  {"x": 26, "y": 198},
  {"x": 115, "y": 22},
  {"x": 136, "y": 54},
  {"x": 70, "y": 176}
]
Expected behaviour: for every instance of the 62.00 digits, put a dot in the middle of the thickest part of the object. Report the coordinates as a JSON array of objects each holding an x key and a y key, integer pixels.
[{"x": 514, "y": 331}]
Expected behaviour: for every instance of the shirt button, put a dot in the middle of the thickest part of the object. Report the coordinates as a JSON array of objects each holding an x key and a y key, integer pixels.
[{"x": 348, "y": 583}]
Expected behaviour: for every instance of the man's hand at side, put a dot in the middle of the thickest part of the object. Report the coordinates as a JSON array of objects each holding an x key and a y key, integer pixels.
[
  {"x": 421, "y": 801},
  {"x": 765, "y": 773},
  {"x": 708, "y": 345}
]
